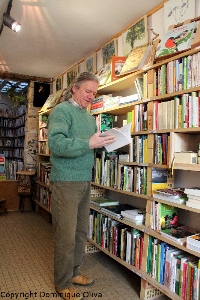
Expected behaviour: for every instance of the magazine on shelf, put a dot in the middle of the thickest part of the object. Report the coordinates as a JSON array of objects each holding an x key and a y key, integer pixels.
[{"x": 122, "y": 137}]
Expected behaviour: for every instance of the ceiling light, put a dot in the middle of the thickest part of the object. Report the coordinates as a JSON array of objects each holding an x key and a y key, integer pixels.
[{"x": 11, "y": 23}]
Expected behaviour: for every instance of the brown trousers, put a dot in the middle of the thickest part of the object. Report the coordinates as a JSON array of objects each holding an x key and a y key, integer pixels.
[{"x": 70, "y": 204}]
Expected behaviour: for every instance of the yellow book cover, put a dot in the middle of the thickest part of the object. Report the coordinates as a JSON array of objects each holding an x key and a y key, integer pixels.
[{"x": 136, "y": 59}]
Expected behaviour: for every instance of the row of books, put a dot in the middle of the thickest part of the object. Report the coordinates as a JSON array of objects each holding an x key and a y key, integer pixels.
[
  {"x": 20, "y": 120},
  {"x": 174, "y": 268},
  {"x": 106, "y": 168},
  {"x": 177, "y": 75},
  {"x": 43, "y": 134},
  {"x": 12, "y": 113},
  {"x": 43, "y": 194},
  {"x": 119, "y": 239},
  {"x": 9, "y": 123},
  {"x": 108, "y": 101},
  {"x": 181, "y": 112},
  {"x": 11, "y": 167},
  {"x": 43, "y": 172},
  {"x": 110, "y": 171},
  {"x": 43, "y": 148},
  {"x": 132, "y": 179}
]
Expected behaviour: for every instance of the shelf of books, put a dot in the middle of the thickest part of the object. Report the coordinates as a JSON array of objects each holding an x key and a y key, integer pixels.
[
  {"x": 12, "y": 135},
  {"x": 42, "y": 195},
  {"x": 146, "y": 216}
]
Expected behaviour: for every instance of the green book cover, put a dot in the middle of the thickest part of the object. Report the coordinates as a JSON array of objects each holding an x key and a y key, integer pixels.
[
  {"x": 106, "y": 122},
  {"x": 178, "y": 267},
  {"x": 158, "y": 263},
  {"x": 168, "y": 217},
  {"x": 149, "y": 255}
]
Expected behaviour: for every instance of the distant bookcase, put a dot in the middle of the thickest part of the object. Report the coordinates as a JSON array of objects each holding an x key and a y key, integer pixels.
[
  {"x": 165, "y": 121},
  {"x": 12, "y": 135}
]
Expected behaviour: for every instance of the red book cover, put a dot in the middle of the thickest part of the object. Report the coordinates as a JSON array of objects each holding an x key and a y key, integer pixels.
[
  {"x": 141, "y": 251},
  {"x": 184, "y": 283},
  {"x": 117, "y": 65},
  {"x": 164, "y": 145},
  {"x": 137, "y": 241}
]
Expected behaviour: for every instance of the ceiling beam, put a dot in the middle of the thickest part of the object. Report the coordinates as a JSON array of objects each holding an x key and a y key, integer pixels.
[{"x": 21, "y": 77}]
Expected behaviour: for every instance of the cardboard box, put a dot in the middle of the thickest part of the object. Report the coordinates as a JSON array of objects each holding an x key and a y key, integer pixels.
[{"x": 186, "y": 157}]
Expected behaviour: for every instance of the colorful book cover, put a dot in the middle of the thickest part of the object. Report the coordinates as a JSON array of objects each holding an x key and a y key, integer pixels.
[
  {"x": 149, "y": 255},
  {"x": 178, "y": 267},
  {"x": 177, "y": 39},
  {"x": 183, "y": 260},
  {"x": 106, "y": 122},
  {"x": 117, "y": 65},
  {"x": 159, "y": 179},
  {"x": 136, "y": 59}
]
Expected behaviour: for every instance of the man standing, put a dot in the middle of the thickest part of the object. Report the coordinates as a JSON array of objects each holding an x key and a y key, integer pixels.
[{"x": 72, "y": 138}]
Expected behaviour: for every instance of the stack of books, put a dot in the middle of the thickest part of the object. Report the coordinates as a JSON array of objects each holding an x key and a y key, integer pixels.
[
  {"x": 172, "y": 195},
  {"x": 135, "y": 216},
  {"x": 115, "y": 210},
  {"x": 193, "y": 242},
  {"x": 178, "y": 234},
  {"x": 193, "y": 195},
  {"x": 101, "y": 202}
]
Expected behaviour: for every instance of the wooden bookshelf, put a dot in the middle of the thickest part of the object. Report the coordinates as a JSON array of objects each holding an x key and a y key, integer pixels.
[{"x": 180, "y": 139}]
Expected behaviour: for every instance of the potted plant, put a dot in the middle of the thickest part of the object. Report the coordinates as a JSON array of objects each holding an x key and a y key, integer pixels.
[{"x": 16, "y": 98}]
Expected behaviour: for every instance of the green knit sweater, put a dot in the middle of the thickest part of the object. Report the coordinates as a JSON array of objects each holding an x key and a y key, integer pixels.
[{"x": 69, "y": 131}]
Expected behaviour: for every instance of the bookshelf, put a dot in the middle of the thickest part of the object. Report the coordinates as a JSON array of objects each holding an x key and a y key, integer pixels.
[
  {"x": 182, "y": 129},
  {"x": 42, "y": 194},
  {"x": 12, "y": 135}
]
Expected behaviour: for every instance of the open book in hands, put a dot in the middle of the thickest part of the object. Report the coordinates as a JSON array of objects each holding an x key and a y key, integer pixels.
[{"x": 122, "y": 137}]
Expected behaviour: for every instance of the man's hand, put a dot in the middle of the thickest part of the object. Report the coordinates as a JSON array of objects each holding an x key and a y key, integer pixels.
[{"x": 97, "y": 141}]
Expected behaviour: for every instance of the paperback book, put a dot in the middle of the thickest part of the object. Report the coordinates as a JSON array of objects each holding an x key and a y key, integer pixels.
[{"x": 122, "y": 137}]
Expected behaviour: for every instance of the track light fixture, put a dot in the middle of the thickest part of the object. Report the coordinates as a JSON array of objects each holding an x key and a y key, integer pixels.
[{"x": 11, "y": 23}]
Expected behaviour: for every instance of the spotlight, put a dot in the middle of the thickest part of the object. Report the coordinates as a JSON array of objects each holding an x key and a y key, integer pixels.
[{"x": 11, "y": 23}]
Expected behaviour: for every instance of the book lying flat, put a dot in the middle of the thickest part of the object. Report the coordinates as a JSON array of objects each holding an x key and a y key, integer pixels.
[
  {"x": 194, "y": 191},
  {"x": 122, "y": 137},
  {"x": 100, "y": 201},
  {"x": 179, "y": 234},
  {"x": 171, "y": 195},
  {"x": 194, "y": 240},
  {"x": 134, "y": 214},
  {"x": 193, "y": 205},
  {"x": 116, "y": 210}
]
